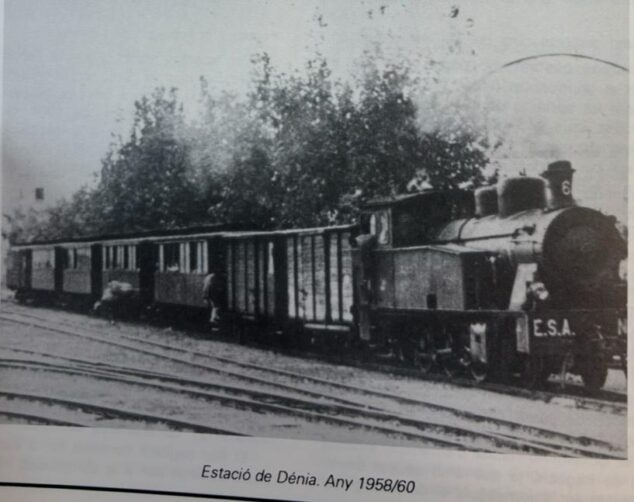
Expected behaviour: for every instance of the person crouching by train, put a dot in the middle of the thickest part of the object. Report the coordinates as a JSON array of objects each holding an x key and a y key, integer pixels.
[
  {"x": 119, "y": 300},
  {"x": 212, "y": 295}
]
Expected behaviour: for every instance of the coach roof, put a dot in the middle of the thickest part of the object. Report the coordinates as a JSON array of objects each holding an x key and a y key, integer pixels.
[
  {"x": 144, "y": 234},
  {"x": 198, "y": 232}
]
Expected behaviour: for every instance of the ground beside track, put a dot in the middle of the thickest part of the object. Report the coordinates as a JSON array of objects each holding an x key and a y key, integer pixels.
[{"x": 560, "y": 415}]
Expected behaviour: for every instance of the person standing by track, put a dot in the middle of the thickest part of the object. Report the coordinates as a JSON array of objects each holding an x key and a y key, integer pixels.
[{"x": 212, "y": 291}]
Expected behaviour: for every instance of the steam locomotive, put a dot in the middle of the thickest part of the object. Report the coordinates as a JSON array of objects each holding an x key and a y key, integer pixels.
[
  {"x": 513, "y": 279},
  {"x": 524, "y": 282}
]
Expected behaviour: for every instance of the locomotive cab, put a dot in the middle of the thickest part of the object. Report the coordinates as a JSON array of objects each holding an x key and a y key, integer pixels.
[
  {"x": 414, "y": 219},
  {"x": 400, "y": 267}
]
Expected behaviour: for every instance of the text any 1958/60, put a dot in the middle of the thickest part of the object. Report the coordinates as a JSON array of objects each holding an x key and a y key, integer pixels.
[{"x": 290, "y": 478}]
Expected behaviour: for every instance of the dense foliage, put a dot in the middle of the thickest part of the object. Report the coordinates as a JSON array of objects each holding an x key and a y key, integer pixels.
[{"x": 299, "y": 150}]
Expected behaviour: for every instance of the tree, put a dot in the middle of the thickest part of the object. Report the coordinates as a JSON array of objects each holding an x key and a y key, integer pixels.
[
  {"x": 145, "y": 182},
  {"x": 299, "y": 150},
  {"x": 324, "y": 147}
]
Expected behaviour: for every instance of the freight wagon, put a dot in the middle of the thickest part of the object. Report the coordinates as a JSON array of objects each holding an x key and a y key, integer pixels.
[{"x": 292, "y": 281}]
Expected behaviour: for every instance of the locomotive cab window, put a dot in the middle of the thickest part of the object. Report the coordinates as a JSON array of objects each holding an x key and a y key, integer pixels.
[
  {"x": 407, "y": 229},
  {"x": 416, "y": 219},
  {"x": 380, "y": 226}
]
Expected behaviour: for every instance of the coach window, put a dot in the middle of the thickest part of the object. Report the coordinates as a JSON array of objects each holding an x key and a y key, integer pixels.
[
  {"x": 82, "y": 258},
  {"x": 133, "y": 262},
  {"x": 197, "y": 257},
  {"x": 171, "y": 257},
  {"x": 39, "y": 259},
  {"x": 122, "y": 257},
  {"x": 71, "y": 258},
  {"x": 114, "y": 257},
  {"x": 204, "y": 257},
  {"x": 271, "y": 268},
  {"x": 184, "y": 257},
  {"x": 193, "y": 257},
  {"x": 43, "y": 258},
  {"x": 77, "y": 258}
]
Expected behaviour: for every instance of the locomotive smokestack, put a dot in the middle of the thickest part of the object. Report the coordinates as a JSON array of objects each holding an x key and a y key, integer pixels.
[{"x": 559, "y": 179}]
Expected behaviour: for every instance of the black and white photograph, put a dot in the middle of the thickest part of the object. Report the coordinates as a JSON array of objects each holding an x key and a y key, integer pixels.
[{"x": 390, "y": 223}]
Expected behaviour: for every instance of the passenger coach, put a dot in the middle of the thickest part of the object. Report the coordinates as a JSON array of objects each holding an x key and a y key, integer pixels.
[{"x": 182, "y": 262}]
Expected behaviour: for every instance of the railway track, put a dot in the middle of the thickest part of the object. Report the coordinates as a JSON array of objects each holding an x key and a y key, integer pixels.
[
  {"x": 432, "y": 433},
  {"x": 29, "y": 418},
  {"x": 605, "y": 400},
  {"x": 613, "y": 402},
  {"x": 328, "y": 416},
  {"x": 94, "y": 413},
  {"x": 510, "y": 436}
]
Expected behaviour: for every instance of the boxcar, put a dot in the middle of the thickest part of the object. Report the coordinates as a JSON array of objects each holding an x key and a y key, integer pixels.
[
  {"x": 255, "y": 286},
  {"x": 292, "y": 280},
  {"x": 319, "y": 277}
]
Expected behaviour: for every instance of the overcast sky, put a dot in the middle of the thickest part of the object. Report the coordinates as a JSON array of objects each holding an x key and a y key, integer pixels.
[{"x": 73, "y": 69}]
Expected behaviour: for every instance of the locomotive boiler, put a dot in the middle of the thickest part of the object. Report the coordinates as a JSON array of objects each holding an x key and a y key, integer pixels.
[{"x": 514, "y": 279}]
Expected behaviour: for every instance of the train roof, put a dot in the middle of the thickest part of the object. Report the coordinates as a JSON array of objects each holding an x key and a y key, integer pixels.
[
  {"x": 289, "y": 231},
  {"x": 131, "y": 236},
  {"x": 174, "y": 234}
]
